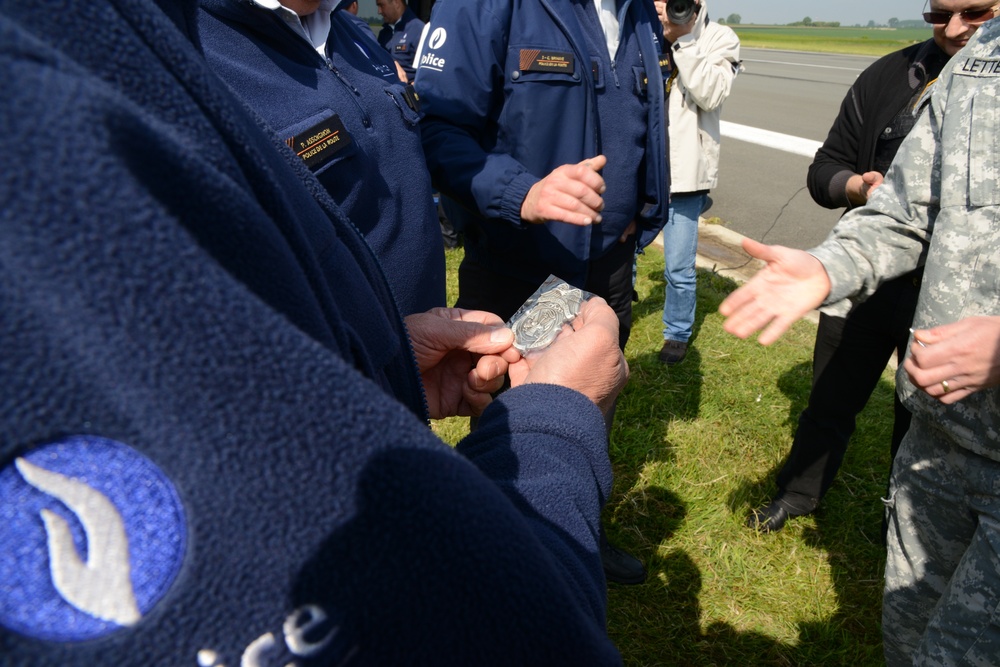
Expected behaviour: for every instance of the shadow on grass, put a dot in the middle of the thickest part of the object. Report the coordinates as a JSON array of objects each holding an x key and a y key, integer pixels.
[
  {"x": 847, "y": 526},
  {"x": 660, "y": 622},
  {"x": 673, "y": 391}
]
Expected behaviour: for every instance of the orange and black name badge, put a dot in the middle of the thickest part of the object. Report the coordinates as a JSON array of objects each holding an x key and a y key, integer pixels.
[
  {"x": 536, "y": 60},
  {"x": 321, "y": 142}
]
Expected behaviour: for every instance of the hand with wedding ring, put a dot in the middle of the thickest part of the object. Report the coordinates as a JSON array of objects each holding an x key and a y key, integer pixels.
[{"x": 954, "y": 360}]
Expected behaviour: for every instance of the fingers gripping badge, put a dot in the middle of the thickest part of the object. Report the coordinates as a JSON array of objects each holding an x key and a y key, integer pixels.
[{"x": 539, "y": 321}]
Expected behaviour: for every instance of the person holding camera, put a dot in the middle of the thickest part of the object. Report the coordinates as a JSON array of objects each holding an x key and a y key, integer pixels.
[{"x": 705, "y": 59}]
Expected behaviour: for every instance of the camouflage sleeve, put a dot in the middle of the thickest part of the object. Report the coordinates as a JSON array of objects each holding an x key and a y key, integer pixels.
[{"x": 889, "y": 236}]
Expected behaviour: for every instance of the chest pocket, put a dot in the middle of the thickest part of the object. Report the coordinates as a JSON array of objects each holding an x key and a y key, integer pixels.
[
  {"x": 321, "y": 140},
  {"x": 543, "y": 65},
  {"x": 984, "y": 147}
]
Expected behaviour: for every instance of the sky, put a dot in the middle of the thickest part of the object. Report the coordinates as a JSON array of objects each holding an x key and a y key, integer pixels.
[{"x": 848, "y": 12}]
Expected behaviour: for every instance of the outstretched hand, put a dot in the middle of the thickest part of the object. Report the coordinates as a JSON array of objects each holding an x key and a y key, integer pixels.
[
  {"x": 462, "y": 356},
  {"x": 570, "y": 193},
  {"x": 584, "y": 357},
  {"x": 793, "y": 283}
]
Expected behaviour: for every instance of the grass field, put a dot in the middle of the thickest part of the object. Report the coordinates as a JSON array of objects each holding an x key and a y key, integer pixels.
[
  {"x": 694, "y": 447},
  {"x": 697, "y": 445},
  {"x": 861, "y": 41}
]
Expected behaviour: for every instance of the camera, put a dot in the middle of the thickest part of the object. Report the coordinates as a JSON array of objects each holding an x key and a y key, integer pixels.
[{"x": 680, "y": 12}]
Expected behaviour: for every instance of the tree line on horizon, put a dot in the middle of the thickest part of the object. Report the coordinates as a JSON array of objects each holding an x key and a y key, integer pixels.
[{"x": 736, "y": 19}]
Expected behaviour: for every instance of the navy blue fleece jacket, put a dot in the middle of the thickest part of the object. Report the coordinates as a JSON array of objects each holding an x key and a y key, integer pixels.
[
  {"x": 513, "y": 89},
  {"x": 350, "y": 120},
  {"x": 401, "y": 40},
  {"x": 212, "y": 445}
]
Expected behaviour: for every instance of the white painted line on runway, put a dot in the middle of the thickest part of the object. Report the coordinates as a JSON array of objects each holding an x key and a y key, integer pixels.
[
  {"x": 776, "y": 140},
  {"x": 783, "y": 62}
]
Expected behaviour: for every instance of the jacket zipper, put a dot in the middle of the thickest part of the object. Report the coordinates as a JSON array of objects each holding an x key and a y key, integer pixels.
[
  {"x": 365, "y": 118},
  {"x": 297, "y": 39}
]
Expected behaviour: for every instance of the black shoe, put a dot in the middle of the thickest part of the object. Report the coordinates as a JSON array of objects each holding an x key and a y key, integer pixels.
[
  {"x": 673, "y": 352},
  {"x": 771, "y": 518},
  {"x": 619, "y": 566}
]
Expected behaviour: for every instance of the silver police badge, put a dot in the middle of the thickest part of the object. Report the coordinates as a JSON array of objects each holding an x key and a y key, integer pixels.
[{"x": 538, "y": 322}]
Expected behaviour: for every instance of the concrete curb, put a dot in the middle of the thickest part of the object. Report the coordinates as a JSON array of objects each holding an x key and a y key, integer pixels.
[{"x": 720, "y": 250}]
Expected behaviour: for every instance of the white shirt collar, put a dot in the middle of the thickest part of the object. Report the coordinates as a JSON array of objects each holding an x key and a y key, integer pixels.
[
  {"x": 314, "y": 28},
  {"x": 607, "y": 14}
]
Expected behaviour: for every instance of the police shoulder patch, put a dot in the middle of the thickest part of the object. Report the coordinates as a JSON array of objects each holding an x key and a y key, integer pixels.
[{"x": 92, "y": 536}]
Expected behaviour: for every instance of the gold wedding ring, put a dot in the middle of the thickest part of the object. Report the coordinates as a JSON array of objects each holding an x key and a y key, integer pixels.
[{"x": 944, "y": 385}]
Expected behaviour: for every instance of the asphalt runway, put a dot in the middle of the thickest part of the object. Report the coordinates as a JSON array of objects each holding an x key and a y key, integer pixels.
[{"x": 780, "y": 111}]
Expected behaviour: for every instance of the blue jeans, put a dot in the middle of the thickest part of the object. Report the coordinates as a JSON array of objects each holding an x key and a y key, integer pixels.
[{"x": 680, "y": 245}]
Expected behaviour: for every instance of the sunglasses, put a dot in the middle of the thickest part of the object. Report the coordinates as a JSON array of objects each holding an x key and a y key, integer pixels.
[{"x": 969, "y": 16}]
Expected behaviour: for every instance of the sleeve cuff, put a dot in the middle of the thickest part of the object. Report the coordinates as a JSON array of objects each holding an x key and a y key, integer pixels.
[
  {"x": 838, "y": 188},
  {"x": 542, "y": 415},
  {"x": 513, "y": 197},
  {"x": 840, "y": 269}
]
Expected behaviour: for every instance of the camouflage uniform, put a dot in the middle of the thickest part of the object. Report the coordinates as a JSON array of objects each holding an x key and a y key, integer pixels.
[{"x": 940, "y": 202}]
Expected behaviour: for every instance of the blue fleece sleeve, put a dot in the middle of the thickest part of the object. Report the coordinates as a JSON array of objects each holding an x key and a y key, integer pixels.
[
  {"x": 545, "y": 447},
  {"x": 460, "y": 79},
  {"x": 186, "y": 299}
]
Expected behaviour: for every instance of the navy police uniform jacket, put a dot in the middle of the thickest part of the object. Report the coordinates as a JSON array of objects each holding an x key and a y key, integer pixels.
[
  {"x": 352, "y": 122},
  {"x": 401, "y": 40},
  {"x": 213, "y": 448},
  {"x": 510, "y": 89}
]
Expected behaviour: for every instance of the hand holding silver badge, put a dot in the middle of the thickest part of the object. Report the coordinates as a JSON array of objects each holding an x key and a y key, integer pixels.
[{"x": 538, "y": 322}]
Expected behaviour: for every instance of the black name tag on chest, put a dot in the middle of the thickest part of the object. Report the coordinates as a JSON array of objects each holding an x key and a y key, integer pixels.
[
  {"x": 321, "y": 142},
  {"x": 536, "y": 60}
]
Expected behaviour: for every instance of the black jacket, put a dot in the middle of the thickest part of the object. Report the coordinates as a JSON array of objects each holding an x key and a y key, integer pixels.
[{"x": 879, "y": 93}]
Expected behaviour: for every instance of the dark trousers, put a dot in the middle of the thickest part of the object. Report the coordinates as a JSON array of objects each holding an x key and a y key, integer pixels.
[
  {"x": 451, "y": 234},
  {"x": 609, "y": 277},
  {"x": 848, "y": 359}
]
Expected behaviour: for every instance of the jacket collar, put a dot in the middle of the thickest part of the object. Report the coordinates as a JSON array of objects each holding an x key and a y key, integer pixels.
[{"x": 927, "y": 56}]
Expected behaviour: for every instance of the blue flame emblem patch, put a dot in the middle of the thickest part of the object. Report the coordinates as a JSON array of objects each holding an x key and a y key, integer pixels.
[{"x": 92, "y": 535}]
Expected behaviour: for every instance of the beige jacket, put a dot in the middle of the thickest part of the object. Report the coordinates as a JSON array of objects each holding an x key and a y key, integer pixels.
[{"x": 707, "y": 62}]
